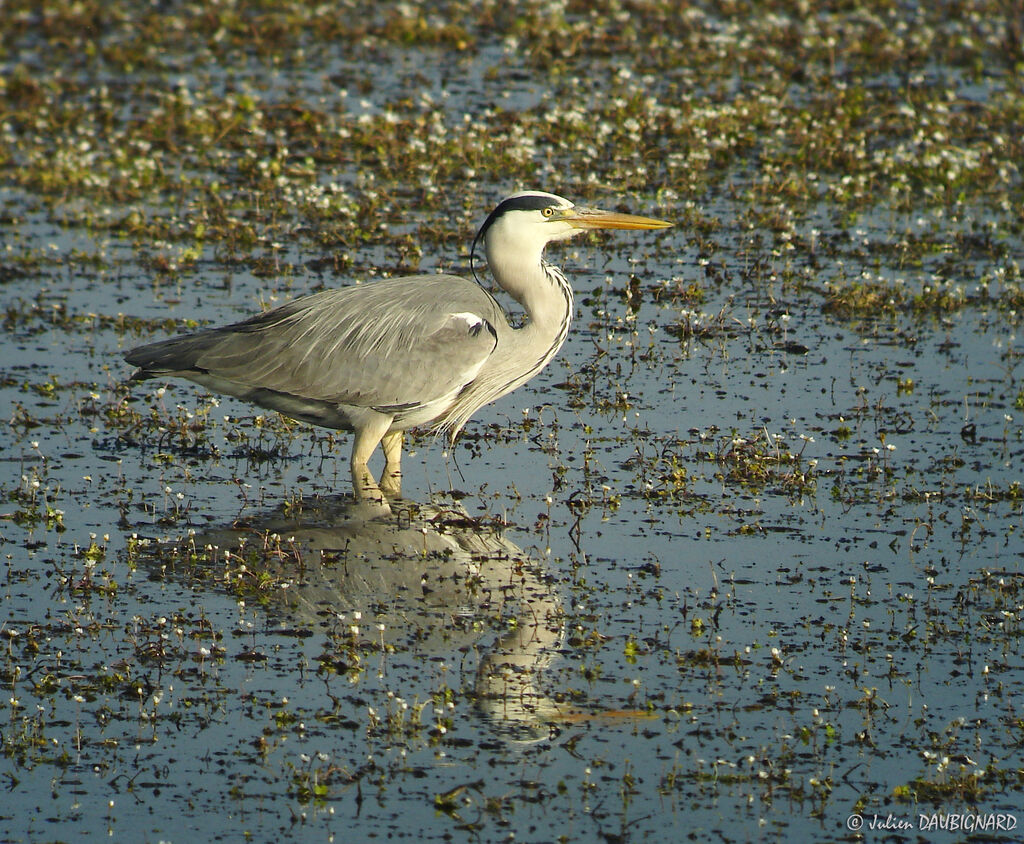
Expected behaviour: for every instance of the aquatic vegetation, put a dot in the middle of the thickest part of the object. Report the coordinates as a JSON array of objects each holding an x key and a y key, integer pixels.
[{"x": 768, "y": 504}]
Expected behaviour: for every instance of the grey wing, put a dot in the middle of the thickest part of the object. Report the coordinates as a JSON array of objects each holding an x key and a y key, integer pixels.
[{"x": 391, "y": 344}]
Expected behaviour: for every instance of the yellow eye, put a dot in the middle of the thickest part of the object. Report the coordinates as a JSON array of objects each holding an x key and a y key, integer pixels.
[{"x": 547, "y": 212}]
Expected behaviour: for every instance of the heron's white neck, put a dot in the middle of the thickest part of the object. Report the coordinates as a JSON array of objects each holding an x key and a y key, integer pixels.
[
  {"x": 520, "y": 353},
  {"x": 540, "y": 289}
]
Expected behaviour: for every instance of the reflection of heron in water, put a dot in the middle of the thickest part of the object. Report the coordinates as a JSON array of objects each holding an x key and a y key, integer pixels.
[{"x": 435, "y": 582}]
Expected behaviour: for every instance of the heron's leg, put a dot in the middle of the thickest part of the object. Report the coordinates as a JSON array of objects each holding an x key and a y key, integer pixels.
[
  {"x": 365, "y": 441},
  {"x": 391, "y": 477}
]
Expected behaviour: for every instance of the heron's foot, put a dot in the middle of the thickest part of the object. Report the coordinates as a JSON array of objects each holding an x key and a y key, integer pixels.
[
  {"x": 391, "y": 483},
  {"x": 369, "y": 497},
  {"x": 391, "y": 477},
  {"x": 369, "y": 509}
]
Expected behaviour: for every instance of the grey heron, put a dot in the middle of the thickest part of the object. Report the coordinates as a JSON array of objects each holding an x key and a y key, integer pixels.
[{"x": 383, "y": 357}]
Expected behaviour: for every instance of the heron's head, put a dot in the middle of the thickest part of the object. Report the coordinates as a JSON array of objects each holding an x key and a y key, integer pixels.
[{"x": 527, "y": 221}]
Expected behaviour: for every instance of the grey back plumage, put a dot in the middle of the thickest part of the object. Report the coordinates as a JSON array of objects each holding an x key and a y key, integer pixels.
[{"x": 393, "y": 345}]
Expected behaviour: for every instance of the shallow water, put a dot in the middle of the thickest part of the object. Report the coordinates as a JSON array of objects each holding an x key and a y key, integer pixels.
[{"x": 742, "y": 562}]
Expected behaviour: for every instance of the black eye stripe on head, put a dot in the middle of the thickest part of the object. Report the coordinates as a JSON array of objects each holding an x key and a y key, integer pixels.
[{"x": 525, "y": 203}]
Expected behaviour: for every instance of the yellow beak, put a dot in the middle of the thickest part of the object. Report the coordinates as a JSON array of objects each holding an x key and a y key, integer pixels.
[{"x": 594, "y": 218}]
